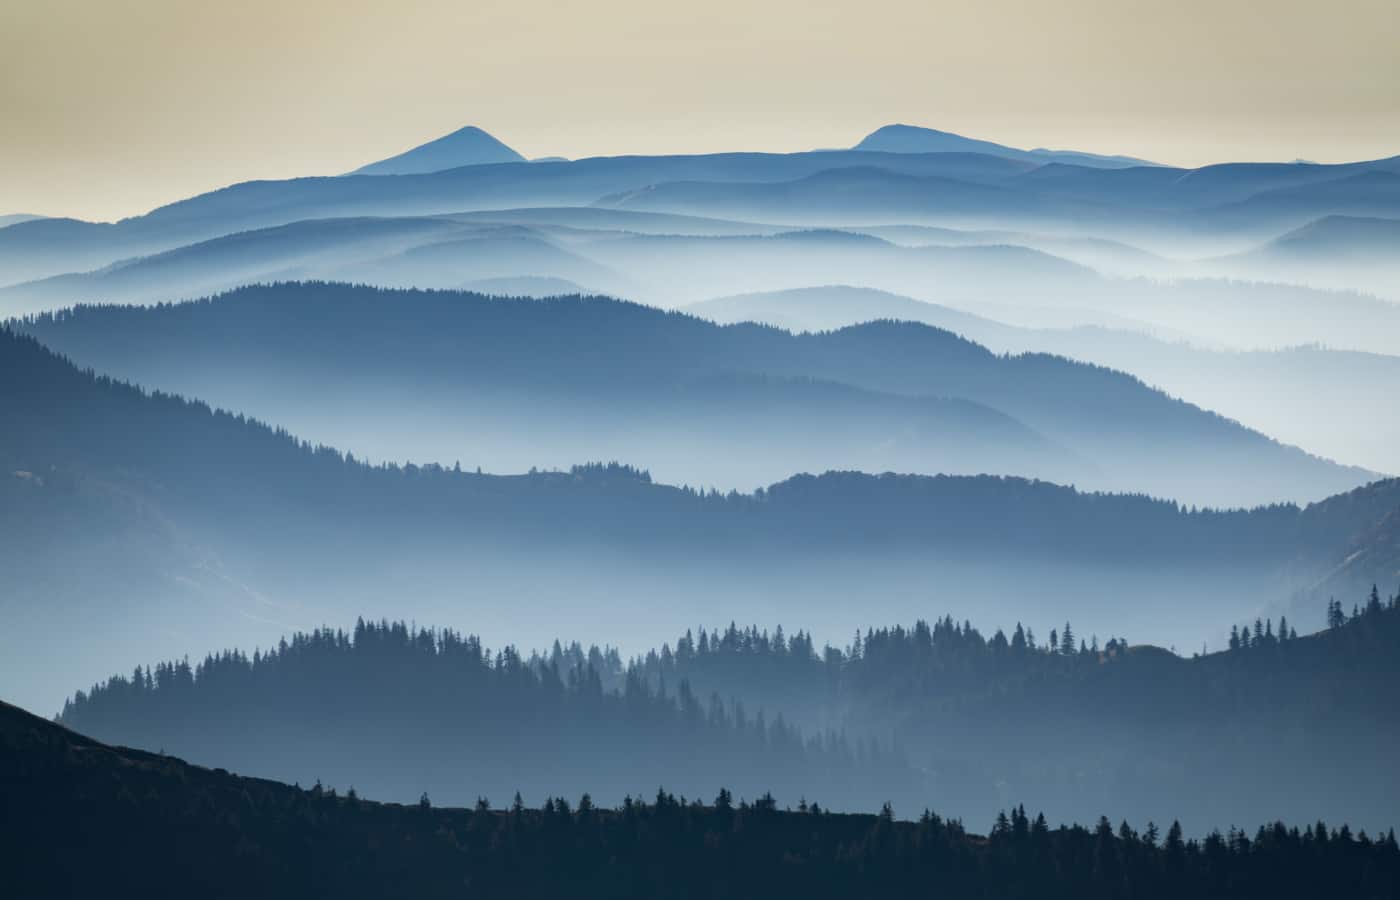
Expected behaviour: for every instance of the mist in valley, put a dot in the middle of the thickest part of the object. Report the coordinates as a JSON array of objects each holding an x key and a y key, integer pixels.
[{"x": 929, "y": 471}]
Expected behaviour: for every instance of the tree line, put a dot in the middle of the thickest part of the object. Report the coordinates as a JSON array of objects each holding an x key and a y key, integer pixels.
[
  {"x": 393, "y": 711},
  {"x": 937, "y": 712},
  {"x": 133, "y": 820}
]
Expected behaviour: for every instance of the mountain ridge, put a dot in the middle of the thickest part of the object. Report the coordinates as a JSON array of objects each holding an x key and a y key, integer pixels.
[
  {"x": 613, "y": 358},
  {"x": 248, "y": 528},
  {"x": 145, "y": 823},
  {"x": 901, "y": 138},
  {"x": 467, "y": 146}
]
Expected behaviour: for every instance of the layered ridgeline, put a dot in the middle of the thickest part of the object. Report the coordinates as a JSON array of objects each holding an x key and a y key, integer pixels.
[
  {"x": 1355, "y": 251},
  {"x": 1199, "y": 340},
  {"x": 396, "y": 712},
  {"x": 30, "y": 250},
  {"x": 1072, "y": 720},
  {"x": 1211, "y": 206},
  {"x": 155, "y": 824},
  {"x": 166, "y": 528},
  {"x": 1030, "y": 278},
  {"x": 505, "y": 385},
  {"x": 1314, "y": 395},
  {"x": 937, "y": 715}
]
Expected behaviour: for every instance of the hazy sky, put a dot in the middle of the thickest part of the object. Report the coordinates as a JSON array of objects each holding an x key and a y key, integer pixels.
[{"x": 110, "y": 107}]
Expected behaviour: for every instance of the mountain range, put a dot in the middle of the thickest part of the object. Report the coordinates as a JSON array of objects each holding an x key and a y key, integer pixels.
[
  {"x": 1312, "y": 396},
  {"x": 505, "y": 384},
  {"x": 168, "y": 528},
  {"x": 666, "y": 260},
  {"x": 994, "y": 716},
  {"x": 1161, "y": 206}
]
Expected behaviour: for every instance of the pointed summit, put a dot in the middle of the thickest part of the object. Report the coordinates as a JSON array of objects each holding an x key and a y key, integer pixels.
[{"x": 469, "y": 146}]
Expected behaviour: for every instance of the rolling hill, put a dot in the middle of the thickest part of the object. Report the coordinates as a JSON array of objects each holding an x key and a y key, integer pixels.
[
  {"x": 551, "y": 382},
  {"x": 169, "y": 528},
  {"x": 149, "y": 823},
  {"x": 1084, "y": 210},
  {"x": 864, "y": 194},
  {"x": 980, "y": 718},
  {"x": 15, "y": 218},
  {"x": 1317, "y": 398},
  {"x": 1334, "y": 251},
  {"x": 914, "y": 139}
]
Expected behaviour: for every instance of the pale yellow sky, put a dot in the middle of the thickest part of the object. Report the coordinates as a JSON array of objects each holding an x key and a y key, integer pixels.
[{"x": 111, "y": 107}]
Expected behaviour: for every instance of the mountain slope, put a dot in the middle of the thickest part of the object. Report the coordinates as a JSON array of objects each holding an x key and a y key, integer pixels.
[
  {"x": 468, "y": 146},
  {"x": 450, "y": 251},
  {"x": 913, "y": 139},
  {"x": 399, "y": 711},
  {"x": 1341, "y": 235},
  {"x": 1160, "y": 205},
  {"x": 1314, "y": 397},
  {"x": 152, "y": 824},
  {"x": 15, "y": 218},
  {"x": 844, "y": 195},
  {"x": 31, "y": 250},
  {"x": 1335, "y": 251},
  {"x": 301, "y": 249},
  {"x": 1364, "y": 193},
  {"x": 550, "y": 382},
  {"x": 165, "y": 528},
  {"x": 1007, "y": 712},
  {"x": 345, "y": 708},
  {"x": 832, "y": 307}
]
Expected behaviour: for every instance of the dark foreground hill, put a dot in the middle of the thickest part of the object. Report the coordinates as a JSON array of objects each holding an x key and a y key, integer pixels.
[{"x": 82, "y": 818}]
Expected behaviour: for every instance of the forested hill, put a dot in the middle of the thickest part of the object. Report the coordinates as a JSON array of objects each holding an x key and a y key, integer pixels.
[
  {"x": 496, "y": 379},
  {"x": 1035, "y": 715},
  {"x": 950, "y": 668},
  {"x": 71, "y": 424},
  {"x": 938, "y": 715},
  {"x": 85, "y": 818},
  {"x": 121, "y": 506},
  {"x": 395, "y": 712}
]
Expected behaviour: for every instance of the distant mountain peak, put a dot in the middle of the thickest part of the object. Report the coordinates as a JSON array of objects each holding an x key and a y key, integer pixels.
[
  {"x": 901, "y": 138},
  {"x": 467, "y": 146}
]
